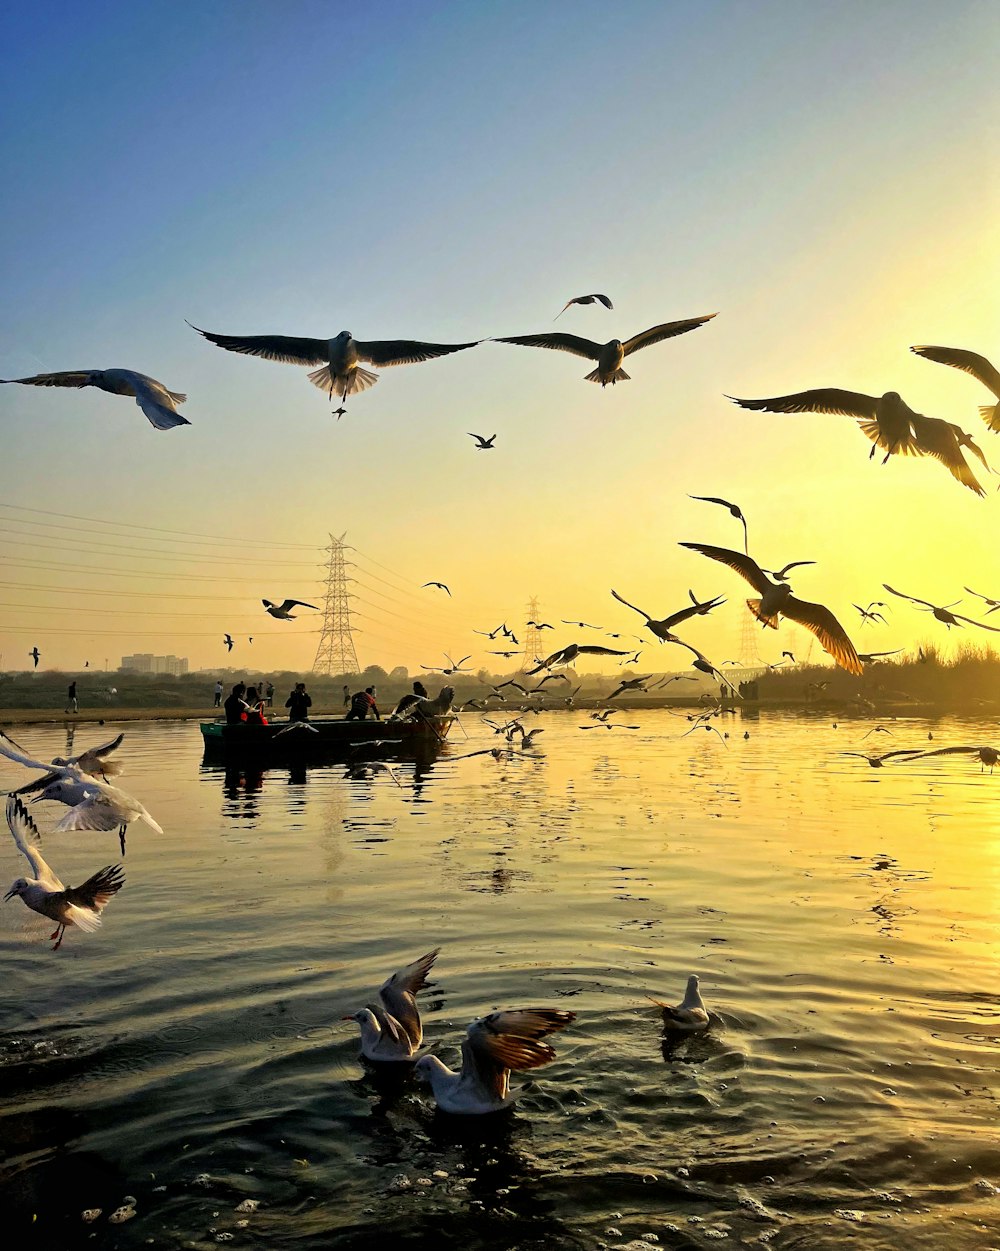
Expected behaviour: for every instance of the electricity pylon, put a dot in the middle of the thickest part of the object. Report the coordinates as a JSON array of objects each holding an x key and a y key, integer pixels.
[
  {"x": 533, "y": 644},
  {"x": 335, "y": 653}
]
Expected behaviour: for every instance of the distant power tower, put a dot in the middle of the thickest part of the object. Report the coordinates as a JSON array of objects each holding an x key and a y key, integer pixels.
[
  {"x": 335, "y": 653},
  {"x": 533, "y": 643}
]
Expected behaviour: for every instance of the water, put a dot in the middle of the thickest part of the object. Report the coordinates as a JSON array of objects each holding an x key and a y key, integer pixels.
[{"x": 842, "y": 920}]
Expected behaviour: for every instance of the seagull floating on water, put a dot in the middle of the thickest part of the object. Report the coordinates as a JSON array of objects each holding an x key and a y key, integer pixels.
[
  {"x": 690, "y": 1016},
  {"x": 151, "y": 396},
  {"x": 391, "y": 1031}
]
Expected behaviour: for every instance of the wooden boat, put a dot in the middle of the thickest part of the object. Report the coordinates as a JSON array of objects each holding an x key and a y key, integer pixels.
[{"x": 324, "y": 739}]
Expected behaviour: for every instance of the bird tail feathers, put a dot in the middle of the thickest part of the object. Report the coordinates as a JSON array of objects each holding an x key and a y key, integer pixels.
[
  {"x": 618, "y": 376},
  {"x": 336, "y": 384},
  {"x": 754, "y": 606},
  {"x": 990, "y": 413},
  {"x": 161, "y": 417}
]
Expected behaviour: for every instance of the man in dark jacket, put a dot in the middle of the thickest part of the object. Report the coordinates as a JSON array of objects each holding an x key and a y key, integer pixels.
[
  {"x": 235, "y": 706},
  {"x": 298, "y": 703}
]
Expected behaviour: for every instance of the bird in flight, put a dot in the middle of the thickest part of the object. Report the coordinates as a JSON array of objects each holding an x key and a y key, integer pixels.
[
  {"x": 584, "y": 299},
  {"x": 971, "y": 363},
  {"x": 441, "y": 586},
  {"x": 878, "y": 761},
  {"x": 869, "y": 614},
  {"x": 483, "y": 444},
  {"x": 994, "y": 604},
  {"x": 339, "y": 357},
  {"x": 583, "y": 625},
  {"x": 868, "y": 658},
  {"x": 781, "y": 575},
  {"x": 391, "y": 1030},
  {"x": 456, "y": 666},
  {"x": 777, "y": 600},
  {"x": 888, "y": 422},
  {"x": 35, "y": 655},
  {"x": 543, "y": 625},
  {"x": 228, "y": 641},
  {"x": 988, "y": 756},
  {"x": 281, "y": 611},
  {"x": 662, "y": 629},
  {"x": 566, "y": 655},
  {"x": 152, "y": 397},
  {"x": 943, "y": 613},
  {"x": 609, "y": 356},
  {"x": 734, "y": 511}
]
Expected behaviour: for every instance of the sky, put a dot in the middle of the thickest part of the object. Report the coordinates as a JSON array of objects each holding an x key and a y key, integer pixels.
[{"x": 819, "y": 176}]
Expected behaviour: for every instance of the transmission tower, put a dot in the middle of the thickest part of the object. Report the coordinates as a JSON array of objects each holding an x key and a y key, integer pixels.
[
  {"x": 335, "y": 653},
  {"x": 532, "y": 637}
]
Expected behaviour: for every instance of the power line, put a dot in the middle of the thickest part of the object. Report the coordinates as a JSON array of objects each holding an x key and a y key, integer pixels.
[
  {"x": 134, "y": 573},
  {"x": 87, "y": 546},
  {"x": 92, "y": 590}
]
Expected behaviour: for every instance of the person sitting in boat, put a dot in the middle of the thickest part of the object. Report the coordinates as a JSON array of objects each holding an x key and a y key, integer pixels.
[
  {"x": 255, "y": 708},
  {"x": 361, "y": 703},
  {"x": 234, "y": 705},
  {"x": 407, "y": 702},
  {"x": 298, "y": 703}
]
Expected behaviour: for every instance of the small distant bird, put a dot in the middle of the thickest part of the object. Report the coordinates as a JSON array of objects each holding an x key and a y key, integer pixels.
[
  {"x": 877, "y": 729},
  {"x": 662, "y": 629},
  {"x": 994, "y": 604},
  {"x": 566, "y": 655},
  {"x": 609, "y": 356},
  {"x": 151, "y": 396},
  {"x": 36, "y": 655},
  {"x": 943, "y": 613},
  {"x": 584, "y": 299},
  {"x": 456, "y": 666},
  {"x": 630, "y": 684},
  {"x": 391, "y": 1030},
  {"x": 339, "y": 412},
  {"x": 777, "y": 600},
  {"x": 584, "y": 625},
  {"x": 250, "y": 640},
  {"x": 690, "y": 1016},
  {"x": 877, "y": 761},
  {"x": 441, "y": 586},
  {"x": 869, "y": 614},
  {"x": 482, "y": 445},
  {"x": 494, "y": 1046},
  {"x": 543, "y": 625},
  {"x": 781, "y": 575},
  {"x": 971, "y": 363},
  {"x": 45, "y": 894},
  {"x": 228, "y": 641},
  {"x": 340, "y": 373},
  {"x": 633, "y": 659},
  {"x": 790, "y": 656},
  {"x": 734, "y": 511},
  {"x": 281, "y": 611},
  {"x": 86, "y": 664}
]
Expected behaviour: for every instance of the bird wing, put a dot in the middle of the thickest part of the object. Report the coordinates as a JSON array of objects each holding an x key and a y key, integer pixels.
[
  {"x": 97, "y": 890},
  {"x": 832, "y": 636},
  {"x": 558, "y": 343},
  {"x": 656, "y": 334},
  {"x": 592, "y": 649},
  {"x": 982, "y": 625},
  {"x": 820, "y": 400},
  {"x": 746, "y": 566},
  {"x": 912, "y": 598},
  {"x": 949, "y": 751},
  {"x": 937, "y": 439},
  {"x": 503, "y": 1041},
  {"x": 105, "y": 749},
  {"x": 397, "y": 993},
  {"x": 969, "y": 362},
  {"x": 12, "y": 751},
  {"x": 296, "y": 603},
  {"x": 68, "y": 378},
  {"x": 695, "y": 610},
  {"x": 603, "y": 298},
  {"x": 713, "y": 499},
  {"x": 406, "y": 351},
  {"x": 92, "y": 813},
  {"x": 632, "y": 606},
  {"x": 155, "y": 401},
  {"x": 273, "y": 347},
  {"x": 29, "y": 842}
]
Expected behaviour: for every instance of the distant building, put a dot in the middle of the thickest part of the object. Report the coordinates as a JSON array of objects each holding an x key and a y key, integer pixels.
[{"x": 146, "y": 662}]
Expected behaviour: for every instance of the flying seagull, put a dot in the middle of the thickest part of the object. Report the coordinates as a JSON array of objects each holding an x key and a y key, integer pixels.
[
  {"x": 228, "y": 641},
  {"x": 340, "y": 373},
  {"x": 609, "y": 356},
  {"x": 584, "y": 299},
  {"x": 878, "y": 761},
  {"x": 971, "y": 363},
  {"x": 566, "y": 656},
  {"x": 493, "y": 1047},
  {"x": 988, "y": 756},
  {"x": 868, "y": 658},
  {"x": 35, "y": 655},
  {"x": 734, "y": 511},
  {"x": 45, "y": 894},
  {"x": 281, "y": 611},
  {"x": 440, "y": 585},
  {"x": 944, "y": 613},
  {"x": 662, "y": 629},
  {"x": 994, "y": 604},
  {"x": 391, "y": 1029},
  {"x": 781, "y": 575},
  {"x": 777, "y": 600},
  {"x": 152, "y": 397},
  {"x": 482, "y": 444}
]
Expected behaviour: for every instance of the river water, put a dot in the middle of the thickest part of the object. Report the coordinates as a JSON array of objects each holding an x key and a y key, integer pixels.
[{"x": 842, "y": 919}]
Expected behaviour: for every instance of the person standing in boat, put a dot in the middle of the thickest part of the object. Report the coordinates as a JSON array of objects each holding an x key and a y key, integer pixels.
[
  {"x": 234, "y": 705},
  {"x": 361, "y": 703},
  {"x": 298, "y": 703}
]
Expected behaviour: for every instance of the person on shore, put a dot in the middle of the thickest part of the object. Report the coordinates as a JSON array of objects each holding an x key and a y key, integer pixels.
[
  {"x": 218, "y": 694},
  {"x": 270, "y": 694},
  {"x": 363, "y": 702},
  {"x": 234, "y": 705},
  {"x": 71, "y": 698},
  {"x": 347, "y": 696},
  {"x": 298, "y": 703}
]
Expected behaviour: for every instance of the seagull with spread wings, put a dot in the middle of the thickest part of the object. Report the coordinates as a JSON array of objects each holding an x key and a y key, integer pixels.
[
  {"x": 584, "y": 299},
  {"x": 877, "y": 761},
  {"x": 662, "y": 629},
  {"x": 281, "y": 611},
  {"x": 970, "y": 363},
  {"x": 391, "y": 1030},
  {"x": 566, "y": 656},
  {"x": 483, "y": 444},
  {"x": 45, "y": 894},
  {"x": 442, "y": 587},
  {"x": 942, "y": 613},
  {"x": 340, "y": 373},
  {"x": 158, "y": 404},
  {"x": 988, "y": 756},
  {"x": 493, "y": 1047},
  {"x": 777, "y": 600},
  {"x": 734, "y": 511},
  {"x": 609, "y": 356},
  {"x": 994, "y": 604}
]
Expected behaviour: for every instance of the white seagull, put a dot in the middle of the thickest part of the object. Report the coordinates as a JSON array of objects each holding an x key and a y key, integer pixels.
[
  {"x": 609, "y": 356},
  {"x": 494, "y": 1045},
  {"x": 152, "y": 397},
  {"x": 45, "y": 894},
  {"x": 690, "y": 1015},
  {"x": 281, "y": 611},
  {"x": 390, "y": 1029}
]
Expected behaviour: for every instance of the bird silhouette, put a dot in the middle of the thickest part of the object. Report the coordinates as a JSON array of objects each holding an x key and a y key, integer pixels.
[
  {"x": 663, "y": 629},
  {"x": 482, "y": 444},
  {"x": 281, "y": 611},
  {"x": 971, "y": 363},
  {"x": 441, "y": 586},
  {"x": 584, "y": 299},
  {"x": 942, "y": 613},
  {"x": 734, "y": 511}
]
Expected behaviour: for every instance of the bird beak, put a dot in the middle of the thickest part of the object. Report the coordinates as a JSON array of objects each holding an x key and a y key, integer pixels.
[
  {"x": 36, "y": 799},
  {"x": 9, "y": 895}
]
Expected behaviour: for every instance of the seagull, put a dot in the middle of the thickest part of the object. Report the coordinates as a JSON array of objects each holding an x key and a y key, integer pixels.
[
  {"x": 609, "y": 356},
  {"x": 994, "y": 604},
  {"x": 970, "y": 363},
  {"x": 781, "y": 575},
  {"x": 988, "y": 756},
  {"x": 296, "y": 725},
  {"x": 456, "y": 667},
  {"x": 868, "y": 658},
  {"x": 734, "y": 510},
  {"x": 868, "y": 614},
  {"x": 876, "y": 761},
  {"x": 690, "y": 1016},
  {"x": 662, "y": 629},
  {"x": 887, "y": 421},
  {"x": 45, "y": 894},
  {"x": 441, "y": 586},
  {"x": 340, "y": 373},
  {"x": 631, "y": 684},
  {"x": 228, "y": 641},
  {"x": 790, "y": 656},
  {"x": 482, "y": 444},
  {"x": 584, "y": 299},
  {"x": 528, "y": 736},
  {"x": 391, "y": 1029},
  {"x": 36, "y": 655},
  {"x": 543, "y": 625},
  {"x": 94, "y": 760},
  {"x": 705, "y": 726},
  {"x": 493, "y": 1046},
  {"x": 583, "y": 625},
  {"x": 151, "y": 396},
  {"x": 609, "y": 725},
  {"x": 777, "y": 599},
  {"x": 359, "y": 770},
  {"x": 877, "y": 729},
  {"x": 943, "y": 614},
  {"x": 566, "y": 655},
  {"x": 281, "y": 611}
]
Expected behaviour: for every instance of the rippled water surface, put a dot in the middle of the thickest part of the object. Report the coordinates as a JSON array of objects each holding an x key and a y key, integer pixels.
[{"x": 842, "y": 920}]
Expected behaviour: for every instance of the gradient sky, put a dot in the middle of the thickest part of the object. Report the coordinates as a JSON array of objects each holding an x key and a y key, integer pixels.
[{"x": 821, "y": 176}]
